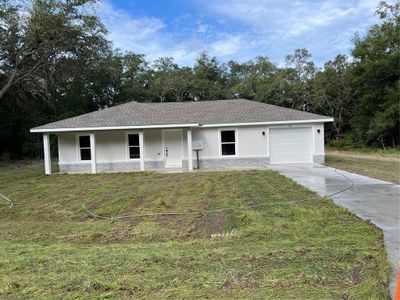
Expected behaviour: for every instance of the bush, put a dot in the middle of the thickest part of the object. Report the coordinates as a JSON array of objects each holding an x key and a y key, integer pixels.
[{"x": 346, "y": 143}]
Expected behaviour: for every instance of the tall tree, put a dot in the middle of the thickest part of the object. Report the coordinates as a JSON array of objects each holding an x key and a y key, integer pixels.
[
  {"x": 52, "y": 56},
  {"x": 297, "y": 78},
  {"x": 376, "y": 75},
  {"x": 209, "y": 78},
  {"x": 253, "y": 79},
  {"x": 35, "y": 37},
  {"x": 135, "y": 76},
  {"x": 182, "y": 84},
  {"x": 162, "y": 84},
  {"x": 333, "y": 93}
]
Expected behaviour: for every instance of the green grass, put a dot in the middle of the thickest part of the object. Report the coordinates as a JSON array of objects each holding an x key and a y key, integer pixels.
[
  {"x": 366, "y": 150},
  {"x": 387, "y": 170},
  {"x": 51, "y": 249}
]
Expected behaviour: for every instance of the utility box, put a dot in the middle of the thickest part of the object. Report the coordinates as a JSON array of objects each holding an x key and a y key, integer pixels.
[{"x": 197, "y": 145}]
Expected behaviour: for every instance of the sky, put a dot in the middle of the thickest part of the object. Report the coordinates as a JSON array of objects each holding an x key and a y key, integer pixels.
[{"x": 236, "y": 29}]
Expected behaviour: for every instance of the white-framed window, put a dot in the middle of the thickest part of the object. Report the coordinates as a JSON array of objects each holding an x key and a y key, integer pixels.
[
  {"x": 84, "y": 147},
  {"x": 228, "y": 140},
  {"x": 133, "y": 145}
]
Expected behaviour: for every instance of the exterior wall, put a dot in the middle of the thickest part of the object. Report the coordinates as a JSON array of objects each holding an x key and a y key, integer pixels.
[
  {"x": 124, "y": 166},
  {"x": 231, "y": 163},
  {"x": 252, "y": 142},
  {"x": 111, "y": 147},
  {"x": 209, "y": 137},
  {"x": 67, "y": 148},
  {"x": 74, "y": 167},
  {"x": 252, "y": 149},
  {"x": 319, "y": 143},
  {"x": 153, "y": 145}
]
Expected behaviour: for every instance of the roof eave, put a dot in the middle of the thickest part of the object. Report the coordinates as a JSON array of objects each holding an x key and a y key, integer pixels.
[
  {"x": 102, "y": 128},
  {"x": 287, "y": 122},
  {"x": 165, "y": 126}
]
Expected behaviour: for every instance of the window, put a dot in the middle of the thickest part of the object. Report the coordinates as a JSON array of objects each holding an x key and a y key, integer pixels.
[
  {"x": 228, "y": 142},
  {"x": 84, "y": 147},
  {"x": 133, "y": 144}
]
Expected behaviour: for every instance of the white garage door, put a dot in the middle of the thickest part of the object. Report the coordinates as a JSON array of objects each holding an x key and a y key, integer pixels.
[{"x": 290, "y": 145}]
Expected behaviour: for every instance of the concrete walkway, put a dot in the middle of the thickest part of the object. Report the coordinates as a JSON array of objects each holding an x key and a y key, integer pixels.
[{"x": 372, "y": 199}]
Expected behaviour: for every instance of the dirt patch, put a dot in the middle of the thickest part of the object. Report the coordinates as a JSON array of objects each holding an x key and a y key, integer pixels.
[
  {"x": 283, "y": 285},
  {"x": 240, "y": 280},
  {"x": 119, "y": 233},
  {"x": 354, "y": 275},
  {"x": 211, "y": 223},
  {"x": 249, "y": 257},
  {"x": 184, "y": 226},
  {"x": 303, "y": 251}
]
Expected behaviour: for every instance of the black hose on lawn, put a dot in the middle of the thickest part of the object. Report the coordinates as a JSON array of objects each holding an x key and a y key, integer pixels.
[{"x": 246, "y": 207}]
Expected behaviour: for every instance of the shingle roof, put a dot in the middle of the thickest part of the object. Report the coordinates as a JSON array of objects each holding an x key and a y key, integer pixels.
[{"x": 169, "y": 113}]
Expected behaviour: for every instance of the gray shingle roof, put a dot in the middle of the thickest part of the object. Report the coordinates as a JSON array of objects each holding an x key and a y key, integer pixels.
[{"x": 169, "y": 113}]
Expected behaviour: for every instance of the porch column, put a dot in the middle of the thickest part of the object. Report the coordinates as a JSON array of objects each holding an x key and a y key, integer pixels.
[
  {"x": 141, "y": 149},
  {"x": 190, "y": 151},
  {"x": 47, "y": 157},
  {"x": 93, "y": 152}
]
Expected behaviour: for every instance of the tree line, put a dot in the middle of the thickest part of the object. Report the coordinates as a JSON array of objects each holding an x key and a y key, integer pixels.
[{"x": 56, "y": 62}]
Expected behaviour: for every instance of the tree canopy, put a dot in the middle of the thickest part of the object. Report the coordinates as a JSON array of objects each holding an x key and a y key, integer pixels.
[{"x": 56, "y": 62}]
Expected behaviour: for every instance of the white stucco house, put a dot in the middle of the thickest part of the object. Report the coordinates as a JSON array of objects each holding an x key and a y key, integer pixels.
[{"x": 151, "y": 136}]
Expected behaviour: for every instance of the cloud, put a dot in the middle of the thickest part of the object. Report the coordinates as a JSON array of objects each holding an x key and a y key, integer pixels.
[
  {"x": 275, "y": 28},
  {"x": 142, "y": 34},
  {"x": 227, "y": 45},
  {"x": 183, "y": 38},
  {"x": 128, "y": 31},
  {"x": 202, "y": 28},
  {"x": 294, "y": 17},
  {"x": 240, "y": 30}
]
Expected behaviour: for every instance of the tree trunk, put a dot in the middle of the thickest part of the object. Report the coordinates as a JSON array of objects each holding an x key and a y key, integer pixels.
[{"x": 9, "y": 83}]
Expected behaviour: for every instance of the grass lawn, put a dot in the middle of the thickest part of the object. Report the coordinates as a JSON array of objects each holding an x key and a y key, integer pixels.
[
  {"x": 391, "y": 152},
  {"x": 384, "y": 168},
  {"x": 51, "y": 249}
]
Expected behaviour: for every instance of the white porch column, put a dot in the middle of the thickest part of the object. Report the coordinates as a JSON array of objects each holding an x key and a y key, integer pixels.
[
  {"x": 93, "y": 152},
  {"x": 190, "y": 151},
  {"x": 141, "y": 149},
  {"x": 47, "y": 157}
]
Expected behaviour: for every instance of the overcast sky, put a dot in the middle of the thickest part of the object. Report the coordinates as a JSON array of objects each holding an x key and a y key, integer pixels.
[{"x": 236, "y": 29}]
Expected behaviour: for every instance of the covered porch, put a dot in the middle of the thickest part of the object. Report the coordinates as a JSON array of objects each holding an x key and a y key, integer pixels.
[{"x": 122, "y": 150}]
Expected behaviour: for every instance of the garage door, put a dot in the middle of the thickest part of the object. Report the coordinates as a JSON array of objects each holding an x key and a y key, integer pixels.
[{"x": 290, "y": 145}]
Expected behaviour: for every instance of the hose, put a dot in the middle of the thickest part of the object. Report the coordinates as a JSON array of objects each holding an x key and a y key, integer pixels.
[
  {"x": 7, "y": 199},
  {"x": 225, "y": 209}
]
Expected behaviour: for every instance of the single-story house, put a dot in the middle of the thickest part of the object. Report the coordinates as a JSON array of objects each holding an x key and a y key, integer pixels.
[{"x": 200, "y": 134}]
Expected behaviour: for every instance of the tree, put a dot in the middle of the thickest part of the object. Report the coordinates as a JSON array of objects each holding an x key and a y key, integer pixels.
[
  {"x": 181, "y": 83},
  {"x": 50, "y": 31},
  {"x": 209, "y": 78},
  {"x": 135, "y": 77},
  {"x": 253, "y": 79},
  {"x": 297, "y": 79},
  {"x": 333, "y": 93},
  {"x": 53, "y": 58},
  {"x": 162, "y": 83},
  {"x": 376, "y": 76}
]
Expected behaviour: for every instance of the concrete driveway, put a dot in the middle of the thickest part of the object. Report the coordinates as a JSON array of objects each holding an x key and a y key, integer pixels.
[{"x": 372, "y": 199}]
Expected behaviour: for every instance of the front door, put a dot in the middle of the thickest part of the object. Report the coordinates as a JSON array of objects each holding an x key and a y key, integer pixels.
[{"x": 172, "y": 148}]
